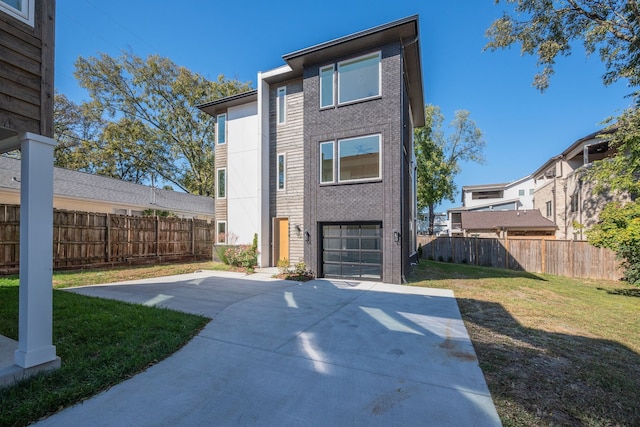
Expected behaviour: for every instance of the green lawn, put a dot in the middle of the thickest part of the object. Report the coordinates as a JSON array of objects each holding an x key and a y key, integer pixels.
[
  {"x": 100, "y": 342},
  {"x": 554, "y": 351}
]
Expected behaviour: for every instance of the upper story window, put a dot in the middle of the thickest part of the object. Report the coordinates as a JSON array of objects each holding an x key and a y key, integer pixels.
[
  {"x": 479, "y": 195},
  {"x": 326, "y": 86},
  {"x": 531, "y": 191},
  {"x": 281, "y": 105},
  {"x": 520, "y": 192},
  {"x": 549, "y": 208},
  {"x": 222, "y": 183},
  {"x": 221, "y": 129},
  {"x": 358, "y": 159},
  {"x": 282, "y": 171},
  {"x": 575, "y": 203},
  {"x": 20, "y": 9},
  {"x": 359, "y": 78}
]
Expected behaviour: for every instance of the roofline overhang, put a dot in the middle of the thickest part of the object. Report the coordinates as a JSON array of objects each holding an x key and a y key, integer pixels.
[{"x": 212, "y": 108}]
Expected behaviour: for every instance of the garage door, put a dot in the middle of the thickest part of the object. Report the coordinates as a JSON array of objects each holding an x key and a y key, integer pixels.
[{"x": 352, "y": 251}]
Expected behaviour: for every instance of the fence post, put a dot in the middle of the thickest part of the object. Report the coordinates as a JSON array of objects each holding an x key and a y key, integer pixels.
[
  {"x": 506, "y": 251},
  {"x": 543, "y": 252},
  {"x": 157, "y": 236},
  {"x": 108, "y": 257},
  {"x": 477, "y": 262}
]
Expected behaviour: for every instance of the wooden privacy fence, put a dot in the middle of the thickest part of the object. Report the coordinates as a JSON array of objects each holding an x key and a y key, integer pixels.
[
  {"x": 86, "y": 238},
  {"x": 558, "y": 257}
]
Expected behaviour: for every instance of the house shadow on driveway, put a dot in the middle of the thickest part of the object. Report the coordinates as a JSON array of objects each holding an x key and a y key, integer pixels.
[
  {"x": 283, "y": 353},
  {"x": 555, "y": 378}
]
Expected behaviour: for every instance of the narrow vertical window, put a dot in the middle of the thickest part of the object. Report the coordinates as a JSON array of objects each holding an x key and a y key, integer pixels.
[
  {"x": 221, "y": 231},
  {"x": 222, "y": 183},
  {"x": 282, "y": 174},
  {"x": 326, "y": 162},
  {"x": 281, "y": 107},
  {"x": 326, "y": 86},
  {"x": 221, "y": 129},
  {"x": 549, "y": 208}
]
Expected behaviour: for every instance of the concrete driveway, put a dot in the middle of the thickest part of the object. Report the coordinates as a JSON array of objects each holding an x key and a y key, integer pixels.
[{"x": 281, "y": 353}]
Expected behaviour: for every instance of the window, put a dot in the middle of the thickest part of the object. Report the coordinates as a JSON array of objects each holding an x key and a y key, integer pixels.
[
  {"x": 20, "y": 9},
  {"x": 481, "y": 195},
  {"x": 326, "y": 86},
  {"x": 221, "y": 228},
  {"x": 282, "y": 175},
  {"x": 359, "y": 158},
  {"x": 359, "y": 78},
  {"x": 531, "y": 191},
  {"x": 520, "y": 193},
  {"x": 221, "y": 129},
  {"x": 549, "y": 208},
  {"x": 326, "y": 162},
  {"x": 222, "y": 183},
  {"x": 575, "y": 203},
  {"x": 281, "y": 105}
]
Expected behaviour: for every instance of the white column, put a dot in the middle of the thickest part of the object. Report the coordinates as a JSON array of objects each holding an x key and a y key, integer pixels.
[{"x": 36, "y": 242}]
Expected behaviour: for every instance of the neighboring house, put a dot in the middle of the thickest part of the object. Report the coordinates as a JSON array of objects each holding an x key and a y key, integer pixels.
[
  {"x": 564, "y": 196},
  {"x": 80, "y": 191},
  {"x": 319, "y": 161},
  {"x": 515, "y": 195},
  {"x": 440, "y": 223},
  {"x": 508, "y": 223}
]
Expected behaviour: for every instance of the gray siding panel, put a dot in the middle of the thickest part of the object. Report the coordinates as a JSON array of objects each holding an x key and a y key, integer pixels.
[{"x": 288, "y": 138}]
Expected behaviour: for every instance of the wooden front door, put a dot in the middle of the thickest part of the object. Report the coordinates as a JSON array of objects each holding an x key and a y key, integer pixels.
[{"x": 280, "y": 239}]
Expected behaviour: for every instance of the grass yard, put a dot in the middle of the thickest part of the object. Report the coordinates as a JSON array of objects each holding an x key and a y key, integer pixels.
[
  {"x": 101, "y": 342},
  {"x": 554, "y": 350}
]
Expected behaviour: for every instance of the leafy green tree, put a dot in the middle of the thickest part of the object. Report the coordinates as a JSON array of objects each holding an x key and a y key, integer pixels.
[
  {"x": 619, "y": 223},
  {"x": 548, "y": 28},
  {"x": 438, "y": 157},
  {"x": 619, "y": 230},
  {"x": 154, "y": 125}
]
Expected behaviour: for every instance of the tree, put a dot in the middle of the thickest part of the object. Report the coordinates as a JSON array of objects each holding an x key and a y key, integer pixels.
[
  {"x": 547, "y": 29},
  {"x": 438, "y": 157},
  {"x": 154, "y": 125},
  {"x": 619, "y": 223}
]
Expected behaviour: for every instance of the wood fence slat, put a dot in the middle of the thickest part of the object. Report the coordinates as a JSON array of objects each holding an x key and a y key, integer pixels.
[
  {"x": 567, "y": 258},
  {"x": 87, "y": 238}
]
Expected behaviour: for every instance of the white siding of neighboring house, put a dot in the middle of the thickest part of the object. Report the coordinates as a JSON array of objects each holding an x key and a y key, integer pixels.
[
  {"x": 242, "y": 172},
  {"x": 510, "y": 192}
]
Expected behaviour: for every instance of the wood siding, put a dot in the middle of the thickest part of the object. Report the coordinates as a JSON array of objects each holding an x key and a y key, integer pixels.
[
  {"x": 287, "y": 138},
  {"x": 26, "y": 72}
]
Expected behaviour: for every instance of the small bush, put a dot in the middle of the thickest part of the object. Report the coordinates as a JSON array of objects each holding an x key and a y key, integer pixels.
[
  {"x": 283, "y": 266},
  {"x": 450, "y": 259},
  {"x": 299, "y": 273},
  {"x": 221, "y": 250},
  {"x": 420, "y": 252},
  {"x": 241, "y": 256},
  {"x": 440, "y": 258}
]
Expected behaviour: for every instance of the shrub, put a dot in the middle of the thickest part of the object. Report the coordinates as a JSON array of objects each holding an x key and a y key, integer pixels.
[
  {"x": 283, "y": 266},
  {"x": 221, "y": 250},
  {"x": 420, "y": 252},
  {"x": 241, "y": 256}
]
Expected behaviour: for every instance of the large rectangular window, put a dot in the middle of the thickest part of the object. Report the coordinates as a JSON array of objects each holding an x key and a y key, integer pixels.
[
  {"x": 359, "y": 158},
  {"x": 326, "y": 86},
  {"x": 326, "y": 162},
  {"x": 221, "y": 129},
  {"x": 359, "y": 78},
  {"x": 222, "y": 183},
  {"x": 221, "y": 228},
  {"x": 282, "y": 171},
  {"x": 281, "y": 105}
]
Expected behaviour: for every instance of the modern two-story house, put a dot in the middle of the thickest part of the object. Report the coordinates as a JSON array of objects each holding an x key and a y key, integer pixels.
[{"x": 318, "y": 161}]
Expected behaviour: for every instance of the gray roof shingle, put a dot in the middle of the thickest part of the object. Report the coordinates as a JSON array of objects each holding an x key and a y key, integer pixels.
[
  {"x": 82, "y": 185},
  {"x": 491, "y": 220}
]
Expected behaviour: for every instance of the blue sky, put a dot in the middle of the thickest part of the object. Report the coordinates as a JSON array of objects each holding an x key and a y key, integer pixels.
[{"x": 522, "y": 127}]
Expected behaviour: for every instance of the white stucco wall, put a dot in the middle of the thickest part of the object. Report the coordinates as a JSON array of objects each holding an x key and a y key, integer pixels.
[{"x": 242, "y": 172}]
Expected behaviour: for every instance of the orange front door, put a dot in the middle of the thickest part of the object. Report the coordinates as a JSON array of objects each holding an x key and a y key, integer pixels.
[{"x": 280, "y": 239}]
